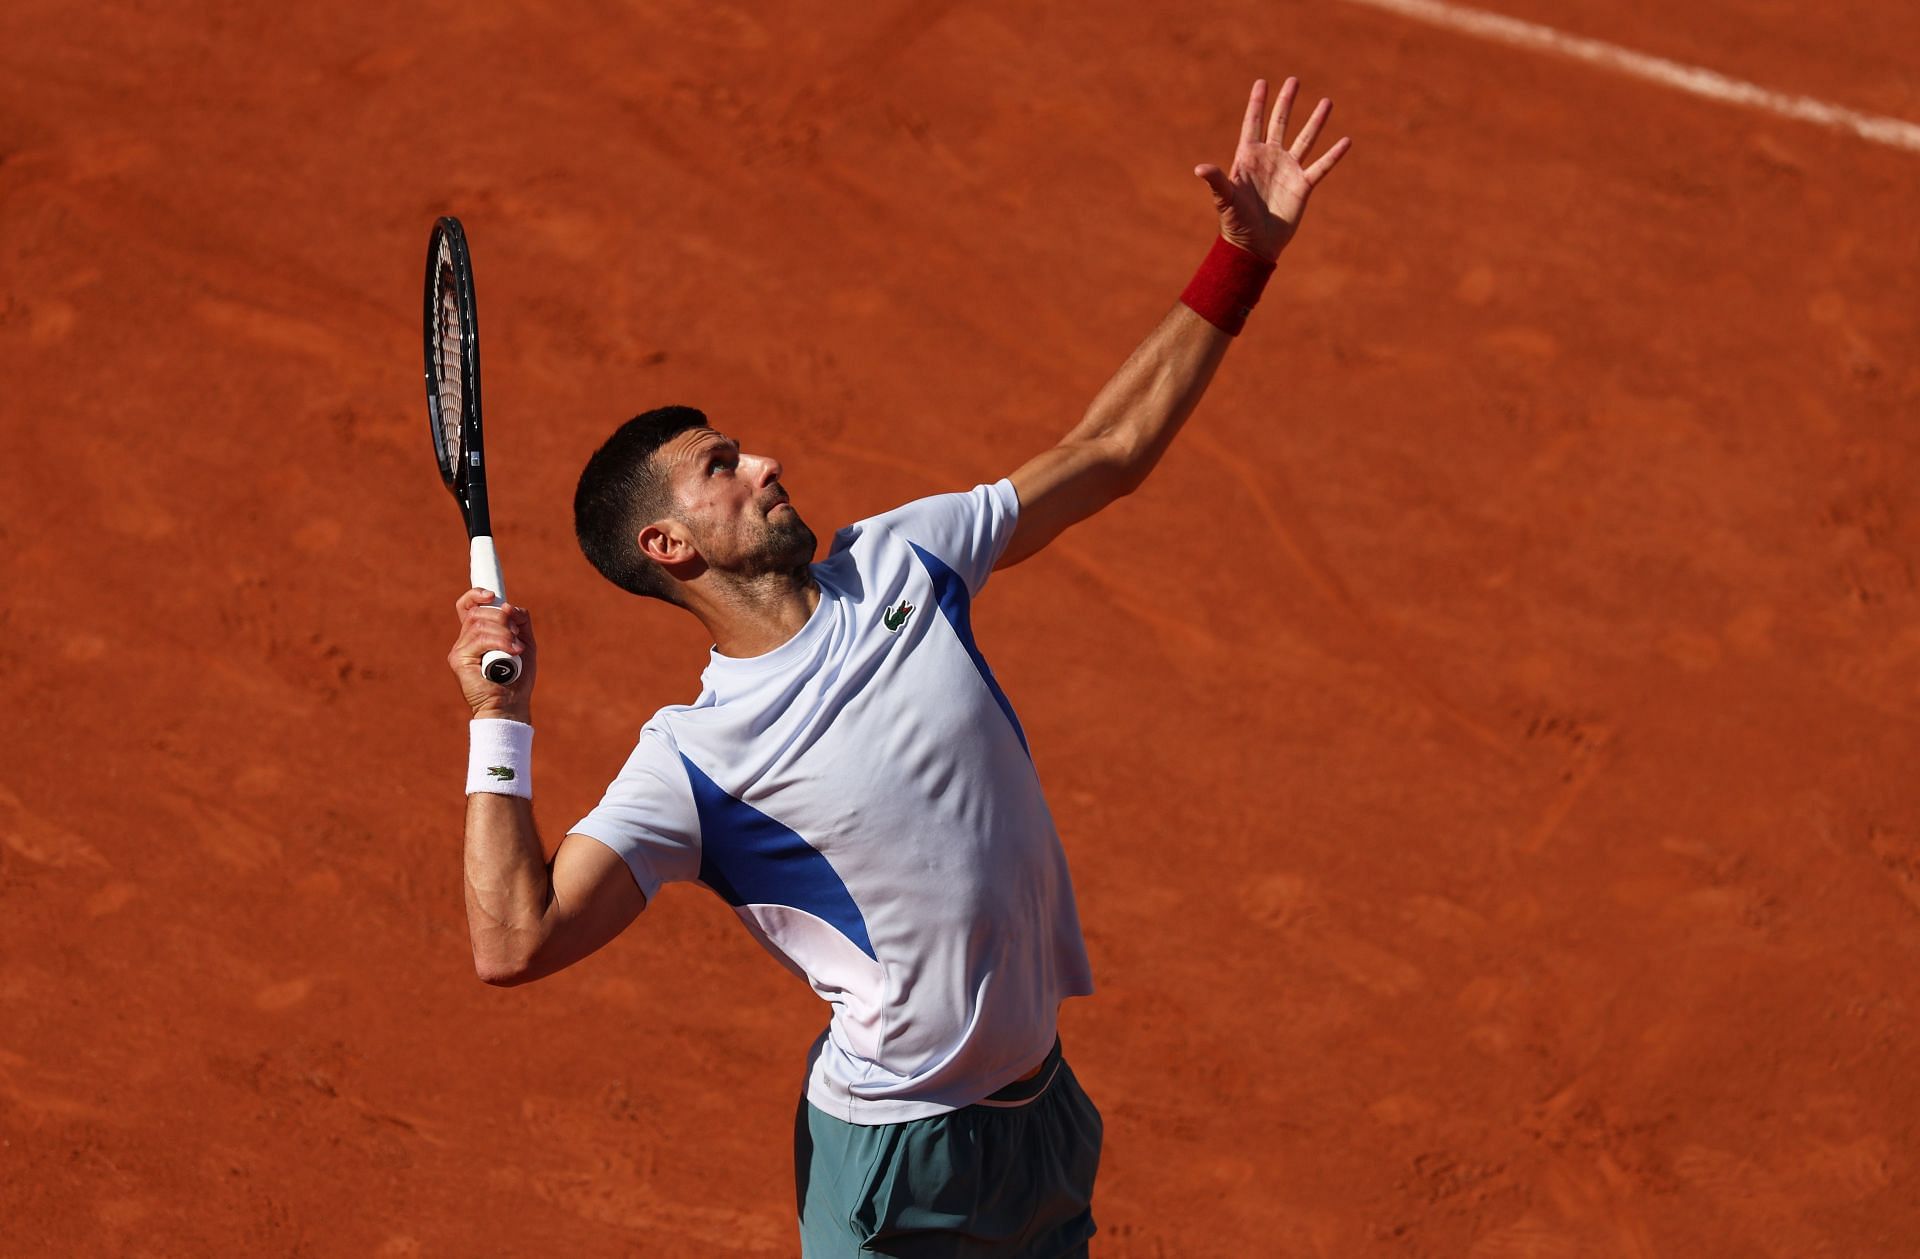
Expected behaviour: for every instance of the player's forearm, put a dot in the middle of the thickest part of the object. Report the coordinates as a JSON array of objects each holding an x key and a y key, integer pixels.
[
  {"x": 509, "y": 886},
  {"x": 1137, "y": 413}
]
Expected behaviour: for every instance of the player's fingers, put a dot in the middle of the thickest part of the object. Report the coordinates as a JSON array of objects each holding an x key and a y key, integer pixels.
[
  {"x": 1303, "y": 143},
  {"x": 477, "y": 638},
  {"x": 486, "y": 614},
  {"x": 1328, "y": 160},
  {"x": 1277, "y": 129},
  {"x": 522, "y": 622},
  {"x": 469, "y": 600},
  {"x": 480, "y": 637},
  {"x": 517, "y": 629},
  {"x": 1256, "y": 110},
  {"x": 1218, "y": 183}
]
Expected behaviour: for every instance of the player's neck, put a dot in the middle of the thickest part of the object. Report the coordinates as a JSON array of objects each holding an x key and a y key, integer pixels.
[{"x": 752, "y": 616}]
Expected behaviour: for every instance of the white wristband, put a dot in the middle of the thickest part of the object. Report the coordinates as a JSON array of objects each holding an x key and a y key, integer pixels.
[{"x": 500, "y": 757}]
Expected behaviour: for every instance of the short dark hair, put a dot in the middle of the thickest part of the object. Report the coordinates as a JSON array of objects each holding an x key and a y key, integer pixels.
[{"x": 620, "y": 490}]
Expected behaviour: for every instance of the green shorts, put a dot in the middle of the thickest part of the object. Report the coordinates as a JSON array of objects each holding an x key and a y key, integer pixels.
[{"x": 1009, "y": 1178}]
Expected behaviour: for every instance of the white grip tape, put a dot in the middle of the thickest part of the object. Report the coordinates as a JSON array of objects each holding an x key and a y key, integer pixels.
[
  {"x": 500, "y": 757},
  {"x": 483, "y": 571},
  {"x": 483, "y": 567}
]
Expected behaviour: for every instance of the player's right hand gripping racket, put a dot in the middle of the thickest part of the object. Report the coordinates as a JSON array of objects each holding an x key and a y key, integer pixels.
[{"x": 453, "y": 409}]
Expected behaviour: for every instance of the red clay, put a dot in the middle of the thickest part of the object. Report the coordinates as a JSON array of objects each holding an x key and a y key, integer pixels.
[{"x": 1486, "y": 747}]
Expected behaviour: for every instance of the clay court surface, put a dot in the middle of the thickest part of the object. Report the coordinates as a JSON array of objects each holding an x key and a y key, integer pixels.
[{"x": 1486, "y": 748}]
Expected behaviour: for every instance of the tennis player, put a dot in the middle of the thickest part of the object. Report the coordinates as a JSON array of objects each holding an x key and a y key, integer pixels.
[{"x": 854, "y": 782}]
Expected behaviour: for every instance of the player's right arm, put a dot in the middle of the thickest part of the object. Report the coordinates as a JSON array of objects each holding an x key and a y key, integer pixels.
[{"x": 527, "y": 917}]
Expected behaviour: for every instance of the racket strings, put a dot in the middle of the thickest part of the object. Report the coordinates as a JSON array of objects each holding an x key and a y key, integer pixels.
[{"x": 449, "y": 354}]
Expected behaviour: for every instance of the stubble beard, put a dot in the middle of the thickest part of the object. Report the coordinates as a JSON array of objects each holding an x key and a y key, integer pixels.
[{"x": 786, "y": 547}]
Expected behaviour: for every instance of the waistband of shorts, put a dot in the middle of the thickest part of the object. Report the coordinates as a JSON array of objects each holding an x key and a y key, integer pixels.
[{"x": 1020, "y": 1092}]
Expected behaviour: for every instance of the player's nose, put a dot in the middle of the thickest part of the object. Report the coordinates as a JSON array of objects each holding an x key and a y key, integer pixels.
[{"x": 769, "y": 470}]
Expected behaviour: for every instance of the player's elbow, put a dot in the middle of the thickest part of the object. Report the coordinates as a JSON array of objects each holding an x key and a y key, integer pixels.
[
  {"x": 499, "y": 974},
  {"x": 504, "y": 967}
]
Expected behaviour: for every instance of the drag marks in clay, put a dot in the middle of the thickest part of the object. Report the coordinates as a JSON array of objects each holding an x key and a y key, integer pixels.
[
  {"x": 604, "y": 1184},
  {"x": 41, "y": 840},
  {"x": 1583, "y": 744},
  {"x": 1899, "y": 856},
  {"x": 41, "y": 1095},
  {"x": 1290, "y": 905},
  {"x": 1299, "y": 542}
]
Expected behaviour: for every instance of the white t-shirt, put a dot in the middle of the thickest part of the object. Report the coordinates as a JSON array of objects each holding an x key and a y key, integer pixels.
[{"x": 863, "y": 797}]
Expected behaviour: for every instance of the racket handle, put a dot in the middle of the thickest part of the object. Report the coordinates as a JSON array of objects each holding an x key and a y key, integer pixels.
[
  {"x": 483, "y": 567},
  {"x": 501, "y": 669}
]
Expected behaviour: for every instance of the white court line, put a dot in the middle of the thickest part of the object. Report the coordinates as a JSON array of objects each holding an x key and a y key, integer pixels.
[{"x": 1893, "y": 132}]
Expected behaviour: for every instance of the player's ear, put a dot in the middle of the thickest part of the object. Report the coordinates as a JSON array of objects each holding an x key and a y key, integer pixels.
[{"x": 667, "y": 543}]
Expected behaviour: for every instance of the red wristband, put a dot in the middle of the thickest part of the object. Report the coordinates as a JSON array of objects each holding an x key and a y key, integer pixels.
[{"x": 1226, "y": 286}]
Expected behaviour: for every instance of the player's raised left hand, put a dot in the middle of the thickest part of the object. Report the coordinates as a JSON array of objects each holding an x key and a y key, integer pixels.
[{"x": 1263, "y": 195}]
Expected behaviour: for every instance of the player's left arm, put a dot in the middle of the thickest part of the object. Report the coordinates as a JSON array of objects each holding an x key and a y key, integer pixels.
[{"x": 1134, "y": 417}]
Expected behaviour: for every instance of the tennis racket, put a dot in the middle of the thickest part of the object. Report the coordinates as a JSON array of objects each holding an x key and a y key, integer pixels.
[{"x": 453, "y": 411}]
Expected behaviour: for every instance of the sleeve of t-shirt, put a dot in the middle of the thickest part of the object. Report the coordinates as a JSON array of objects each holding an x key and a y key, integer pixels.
[
  {"x": 966, "y": 532},
  {"x": 648, "y": 815}
]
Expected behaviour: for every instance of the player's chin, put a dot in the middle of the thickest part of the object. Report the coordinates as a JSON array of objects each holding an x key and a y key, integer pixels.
[{"x": 788, "y": 543}]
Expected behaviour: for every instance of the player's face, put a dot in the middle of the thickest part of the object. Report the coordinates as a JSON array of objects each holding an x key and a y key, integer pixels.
[{"x": 734, "y": 505}]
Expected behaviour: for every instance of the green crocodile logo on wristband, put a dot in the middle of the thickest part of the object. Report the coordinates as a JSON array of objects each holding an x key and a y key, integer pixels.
[{"x": 503, "y": 772}]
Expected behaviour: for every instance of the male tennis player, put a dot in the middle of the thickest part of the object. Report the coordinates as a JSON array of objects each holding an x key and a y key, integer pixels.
[{"x": 853, "y": 781}]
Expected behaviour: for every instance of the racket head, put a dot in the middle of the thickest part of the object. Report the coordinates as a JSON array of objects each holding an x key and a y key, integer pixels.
[{"x": 452, "y": 342}]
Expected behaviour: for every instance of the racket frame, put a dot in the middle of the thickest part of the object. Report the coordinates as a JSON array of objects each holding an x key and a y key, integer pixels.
[{"x": 465, "y": 476}]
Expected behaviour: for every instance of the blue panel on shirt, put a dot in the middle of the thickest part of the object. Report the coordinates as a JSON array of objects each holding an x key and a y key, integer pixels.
[
  {"x": 951, "y": 594},
  {"x": 750, "y": 859}
]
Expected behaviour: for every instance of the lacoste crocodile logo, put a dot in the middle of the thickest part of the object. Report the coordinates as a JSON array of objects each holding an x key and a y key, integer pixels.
[
  {"x": 895, "y": 619},
  {"x": 503, "y": 772}
]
